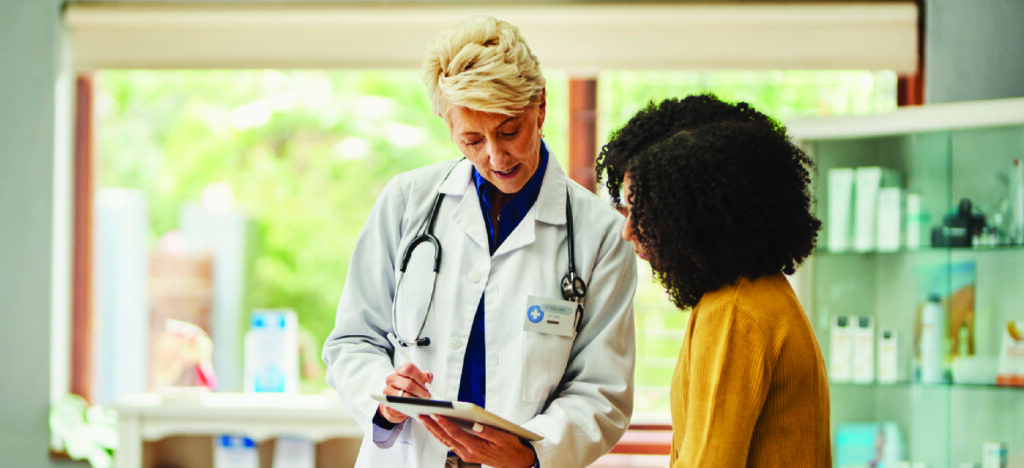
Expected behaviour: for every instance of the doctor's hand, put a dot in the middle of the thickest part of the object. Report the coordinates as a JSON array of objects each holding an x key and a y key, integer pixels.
[
  {"x": 409, "y": 381},
  {"x": 486, "y": 445}
]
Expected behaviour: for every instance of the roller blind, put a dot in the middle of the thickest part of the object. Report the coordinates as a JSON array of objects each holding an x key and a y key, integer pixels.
[{"x": 577, "y": 37}]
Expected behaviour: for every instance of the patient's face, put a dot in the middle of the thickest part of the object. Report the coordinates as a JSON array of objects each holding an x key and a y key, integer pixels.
[{"x": 628, "y": 233}]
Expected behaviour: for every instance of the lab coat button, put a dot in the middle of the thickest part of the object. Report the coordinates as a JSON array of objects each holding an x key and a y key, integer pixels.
[
  {"x": 473, "y": 276},
  {"x": 456, "y": 343}
]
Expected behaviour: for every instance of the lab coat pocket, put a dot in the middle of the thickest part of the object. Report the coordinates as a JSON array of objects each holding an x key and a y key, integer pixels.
[{"x": 544, "y": 364}]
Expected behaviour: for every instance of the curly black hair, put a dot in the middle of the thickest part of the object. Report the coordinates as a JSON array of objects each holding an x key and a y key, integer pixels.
[{"x": 718, "y": 193}]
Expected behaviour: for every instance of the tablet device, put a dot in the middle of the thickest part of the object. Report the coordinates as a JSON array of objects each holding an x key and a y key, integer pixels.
[{"x": 460, "y": 412}]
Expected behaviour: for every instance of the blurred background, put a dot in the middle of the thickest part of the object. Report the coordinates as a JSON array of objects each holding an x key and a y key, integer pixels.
[{"x": 195, "y": 174}]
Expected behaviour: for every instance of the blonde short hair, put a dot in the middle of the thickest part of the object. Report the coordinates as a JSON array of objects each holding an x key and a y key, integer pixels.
[{"x": 482, "y": 64}]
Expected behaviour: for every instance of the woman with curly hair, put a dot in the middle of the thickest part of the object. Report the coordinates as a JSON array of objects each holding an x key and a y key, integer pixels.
[{"x": 718, "y": 202}]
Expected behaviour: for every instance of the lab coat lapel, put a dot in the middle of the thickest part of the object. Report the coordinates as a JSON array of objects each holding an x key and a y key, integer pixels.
[
  {"x": 467, "y": 214},
  {"x": 549, "y": 208}
]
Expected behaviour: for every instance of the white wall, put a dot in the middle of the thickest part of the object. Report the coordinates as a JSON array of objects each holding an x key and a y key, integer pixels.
[
  {"x": 34, "y": 223},
  {"x": 973, "y": 50}
]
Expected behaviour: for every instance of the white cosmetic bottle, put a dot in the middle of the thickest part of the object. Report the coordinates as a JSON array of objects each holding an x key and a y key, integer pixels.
[
  {"x": 931, "y": 344},
  {"x": 1016, "y": 229},
  {"x": 888, "y": 357}
]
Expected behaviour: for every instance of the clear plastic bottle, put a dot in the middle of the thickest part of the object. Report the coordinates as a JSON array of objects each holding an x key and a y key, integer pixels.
[{"x": 272, "y": 352}]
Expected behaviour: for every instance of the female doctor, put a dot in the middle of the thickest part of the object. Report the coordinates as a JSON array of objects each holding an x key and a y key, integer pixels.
[{"x": 501, "y": 281}]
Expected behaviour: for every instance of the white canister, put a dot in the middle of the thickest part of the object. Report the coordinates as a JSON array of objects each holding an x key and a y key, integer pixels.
[
  {"x": 993, "y": 455},
  {"x": 932, "y": 340}
]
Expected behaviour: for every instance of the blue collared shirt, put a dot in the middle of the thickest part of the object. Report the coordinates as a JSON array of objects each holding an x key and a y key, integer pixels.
[{"x": 516, "y": 208}]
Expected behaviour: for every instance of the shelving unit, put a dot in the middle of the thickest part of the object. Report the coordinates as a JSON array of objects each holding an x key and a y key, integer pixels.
[
  {"x": 943, "y": 153},
  {"x": 149, "y": 418}
]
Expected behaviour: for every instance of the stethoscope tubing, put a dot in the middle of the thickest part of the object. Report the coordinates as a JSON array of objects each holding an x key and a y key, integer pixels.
[
  {"x": 419, "y": 340},
  {"x": 426, "y": 235}
]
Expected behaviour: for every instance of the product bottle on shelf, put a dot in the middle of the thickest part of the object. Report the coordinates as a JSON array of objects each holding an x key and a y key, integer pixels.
[
  {"x": 235, "y": 451},
  {"x": 272, "y": 352},
  {"x": 932, "y": 340},
  {"x": 1016, "y": 229}
]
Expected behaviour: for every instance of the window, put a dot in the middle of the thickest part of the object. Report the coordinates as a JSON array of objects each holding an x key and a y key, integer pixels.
[{"x": 284, "y": 163}]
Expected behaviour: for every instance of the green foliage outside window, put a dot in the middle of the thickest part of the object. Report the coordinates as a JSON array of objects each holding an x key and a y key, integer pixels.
[{"x": 307, "y": 152}]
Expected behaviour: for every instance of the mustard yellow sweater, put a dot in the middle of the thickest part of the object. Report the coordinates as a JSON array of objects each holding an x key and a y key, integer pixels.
[{"x": 750, "y": 387}]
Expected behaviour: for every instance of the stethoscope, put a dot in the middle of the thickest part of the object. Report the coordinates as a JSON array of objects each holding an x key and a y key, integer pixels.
[{"x": 572, "y": 285}]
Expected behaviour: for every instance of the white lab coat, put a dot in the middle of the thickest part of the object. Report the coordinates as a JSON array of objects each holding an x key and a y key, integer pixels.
[{"x": 576, "y": 393}]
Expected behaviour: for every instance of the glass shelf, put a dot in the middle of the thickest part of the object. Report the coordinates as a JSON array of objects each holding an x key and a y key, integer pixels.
[
  {"x": 924, "y": 250},
  {"x": 911, "y": 384}
]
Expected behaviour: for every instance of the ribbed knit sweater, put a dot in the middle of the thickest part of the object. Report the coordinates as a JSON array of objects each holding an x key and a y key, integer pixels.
[{"x": 750, "y": 387}]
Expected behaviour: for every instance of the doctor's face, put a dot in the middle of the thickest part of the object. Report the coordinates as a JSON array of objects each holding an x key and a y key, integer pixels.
[
  {"x": 628, "y": 233},
  {"x": 504, "y": 149}
]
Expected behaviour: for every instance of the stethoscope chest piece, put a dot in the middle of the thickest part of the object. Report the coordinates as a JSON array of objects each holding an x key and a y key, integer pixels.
[{"x": 573, "y": 287}]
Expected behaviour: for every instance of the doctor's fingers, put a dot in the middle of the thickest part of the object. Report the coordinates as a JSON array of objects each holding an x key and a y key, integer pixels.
[
  {"x": 495, "y": 436},
  {"x": 411, "y": 371},
  {"x": 404, "y": 386},
  {"x": 474, "y": 449},
  {"x": 447, "y": 436},
  {"x": 394, "y": 416}
]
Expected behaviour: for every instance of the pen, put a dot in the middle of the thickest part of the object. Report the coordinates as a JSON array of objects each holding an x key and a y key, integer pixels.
[{"x": 402, "y": 352}]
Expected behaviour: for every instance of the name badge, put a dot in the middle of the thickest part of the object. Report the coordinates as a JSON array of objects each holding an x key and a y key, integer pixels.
[{"x": 551, "y": 316}]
